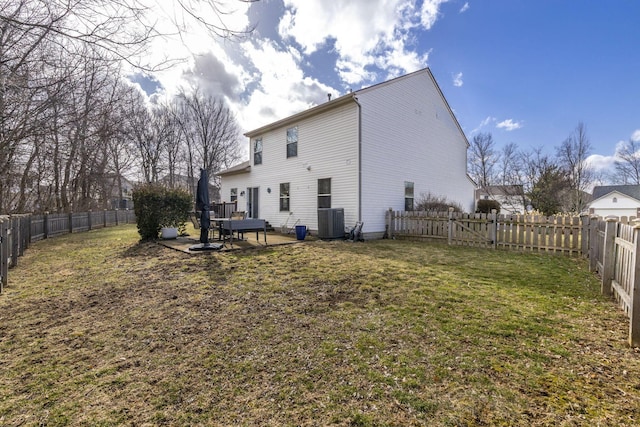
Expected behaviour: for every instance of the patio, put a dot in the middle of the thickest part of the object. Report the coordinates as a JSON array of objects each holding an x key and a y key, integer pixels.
[{"x": 183, "y": 243}]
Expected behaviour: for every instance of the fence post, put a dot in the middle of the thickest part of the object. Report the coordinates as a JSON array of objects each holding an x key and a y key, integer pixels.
[
  {"x": 634, "y": 311},
  {"x": 493, "y": 228},
  {"x": 450, "y": 226},
  {"x": 593, "y": 243},
  {"x": 608, "y": 255},
  {"x": 45, "y": 224},
  {"x": 390, "y": 222},
  {"x": 28, "y": 230},
  {"x": 4, "y": 251},
  {"x": 15, "y": 240},
  {"x": 70, "y": 222},
  {"x": 584, "y": 235},
  {"x": 89, "y": 219}
]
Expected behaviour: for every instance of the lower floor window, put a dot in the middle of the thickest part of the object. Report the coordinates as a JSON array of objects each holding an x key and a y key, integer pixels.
[
  {"x": 324, "y": 193},
  {"x": 408, "y": 196},
  {"x": 284, "y": 196}
]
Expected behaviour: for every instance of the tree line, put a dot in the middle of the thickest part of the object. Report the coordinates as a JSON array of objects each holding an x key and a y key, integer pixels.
[
  {"x": 72, "y": 126},
  {"x": 550, "y": 184}
]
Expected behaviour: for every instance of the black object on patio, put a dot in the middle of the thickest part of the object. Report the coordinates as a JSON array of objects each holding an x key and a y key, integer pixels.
[{"x": 203, "y": 205}]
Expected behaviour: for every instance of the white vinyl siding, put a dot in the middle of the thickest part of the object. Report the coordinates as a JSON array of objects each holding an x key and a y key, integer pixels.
[
  {"x": 327, "y": 148},
  {"x": 623, "y": 206},
  {"x": 408, "y": 135}
]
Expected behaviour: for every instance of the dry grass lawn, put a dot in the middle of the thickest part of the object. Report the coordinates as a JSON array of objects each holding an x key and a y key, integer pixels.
[{"x": 97, "y": 329}]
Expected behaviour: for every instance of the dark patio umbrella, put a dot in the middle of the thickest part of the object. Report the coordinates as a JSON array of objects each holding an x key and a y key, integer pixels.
[{"x": 203, "y": 205}]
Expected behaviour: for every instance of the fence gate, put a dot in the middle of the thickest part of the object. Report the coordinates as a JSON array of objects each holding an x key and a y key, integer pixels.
[{"x": 472, "y": 229}]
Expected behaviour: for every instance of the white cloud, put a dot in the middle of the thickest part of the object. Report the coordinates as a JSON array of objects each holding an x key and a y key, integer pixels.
[
  {"x": 364, "y": 33},
  {"x": 281, "y": 87},
  {"x": 483, "y": 124},
  {"x": 465, "y": 7},
  {"x": 509, "y": 125},
  {"x": 635, "y": 136},
  {"x": 264, "y": 80},
  {"x": 601, "y": 163},
  {"x": 457, "y": 80},
  {"x": 430, "y": 12}
]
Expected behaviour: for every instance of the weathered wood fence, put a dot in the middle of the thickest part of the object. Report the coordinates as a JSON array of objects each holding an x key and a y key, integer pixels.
[
  {"x": 612, "y": 244},
  {"x": 18, "y": 231},
  {"x": 615, "y": 256},
  {"x": 558, "y": 234}
]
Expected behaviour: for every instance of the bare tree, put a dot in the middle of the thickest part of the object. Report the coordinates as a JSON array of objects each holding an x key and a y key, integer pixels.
[
  {"x": 482, "y": 159},
  {"x": 572, "y": 157},
  {"x": 509, "y": 165},
  {"x": 210, "y": 131},
  {"x": 119, "y": 29},
  {"x": 147, "y": 143},
  {"x": 170, "y": 134},
  {"x": 627, "y": 163}
]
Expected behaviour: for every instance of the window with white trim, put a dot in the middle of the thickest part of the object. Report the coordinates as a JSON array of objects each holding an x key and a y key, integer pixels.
[
  {"x": 408, "y": 196},
  {"x": 284, "y": 196},
  {"x": 292, "y": 142},
  {"x": 324, "y": 193},
  {"x": 257, "y": 151}
]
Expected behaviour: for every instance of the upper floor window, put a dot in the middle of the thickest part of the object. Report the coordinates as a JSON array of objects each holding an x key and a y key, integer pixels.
[
  {"x": 257, "y": 151},
  {"x": 234, "y": 194},
  {"x": 292, "y": 142},
  {"x": 324, "y": 193},
  {"x": 615, "y": 200},
  {"x": 284, "y": 196},
  {"x": 408, "y": 196}
]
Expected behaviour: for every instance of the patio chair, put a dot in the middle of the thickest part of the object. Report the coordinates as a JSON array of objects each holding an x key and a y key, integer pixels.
[
  {"x": 239, "y": 215},
  {"x": 355, "y": 234}
]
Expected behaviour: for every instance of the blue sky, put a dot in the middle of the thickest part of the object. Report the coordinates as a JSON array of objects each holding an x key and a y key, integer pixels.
[{"x": 527, "y": 71}]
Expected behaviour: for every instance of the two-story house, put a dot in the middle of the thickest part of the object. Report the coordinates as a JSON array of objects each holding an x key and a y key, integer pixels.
[{"x": 367, "y": 151}]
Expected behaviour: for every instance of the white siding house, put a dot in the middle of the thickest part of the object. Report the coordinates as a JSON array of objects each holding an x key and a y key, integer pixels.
[
  {"x": 510, "y": 197},
  {"x": 369, "y": 149},
  {"x": 618, "y": 200}
]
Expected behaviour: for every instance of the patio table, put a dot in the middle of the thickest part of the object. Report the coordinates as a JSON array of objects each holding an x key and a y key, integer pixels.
[{"x": 226, "y": 226}]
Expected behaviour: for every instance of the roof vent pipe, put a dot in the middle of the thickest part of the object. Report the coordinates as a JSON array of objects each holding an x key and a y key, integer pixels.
[{"x": 329, "y": 96}]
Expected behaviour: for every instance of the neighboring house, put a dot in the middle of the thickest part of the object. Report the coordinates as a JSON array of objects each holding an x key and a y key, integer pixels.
[
  {"x": 189, "y": 184},
  {"x": 117, "y": 200},
  {"x": 510, "y": 197},
  {"x": 371, "y": 150},
  {"x": 618, "y": 200}
]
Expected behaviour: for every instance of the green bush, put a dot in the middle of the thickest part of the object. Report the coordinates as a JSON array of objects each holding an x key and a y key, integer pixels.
[
  {"x": 487, "y": 205},
  {"x": 157, "y": 207}
]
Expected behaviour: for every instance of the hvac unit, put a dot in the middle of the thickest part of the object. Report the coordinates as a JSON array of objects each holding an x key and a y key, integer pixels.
[{"x": 331, "y": 223}]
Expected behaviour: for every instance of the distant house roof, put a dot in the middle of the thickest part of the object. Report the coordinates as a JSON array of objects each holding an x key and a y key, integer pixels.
[
  {"x": 500, "y": 190},
  {"x": 632, "y": 191},
  {"x": 243, "y": 167}
]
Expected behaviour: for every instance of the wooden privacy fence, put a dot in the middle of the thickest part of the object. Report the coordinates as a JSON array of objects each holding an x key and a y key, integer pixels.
[
  {"x": 558, "y": 234},
  {"x": 18, "y": 231},
  {"x": 615, "y": 256},
  {"x": 612, "y": 244}
]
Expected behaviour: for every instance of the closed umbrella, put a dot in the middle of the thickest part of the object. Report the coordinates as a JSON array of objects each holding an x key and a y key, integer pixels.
[{"x": 203, "y": 205}]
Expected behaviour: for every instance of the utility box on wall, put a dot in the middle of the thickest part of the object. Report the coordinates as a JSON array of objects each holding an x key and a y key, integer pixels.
[{"x": 331, "y": 223}]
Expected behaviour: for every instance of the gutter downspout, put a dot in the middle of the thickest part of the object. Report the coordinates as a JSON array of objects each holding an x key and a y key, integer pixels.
[{"x": 355, "y": 99}]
